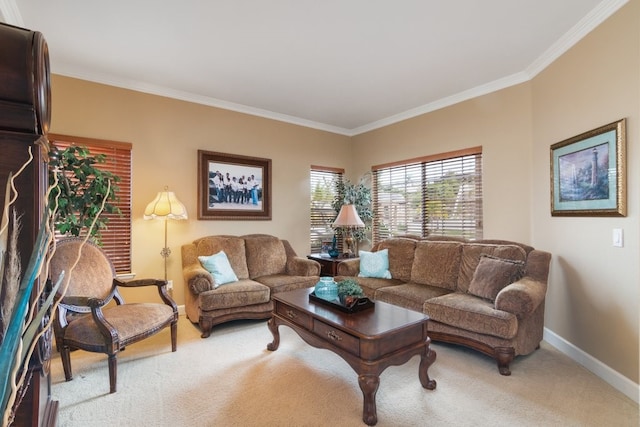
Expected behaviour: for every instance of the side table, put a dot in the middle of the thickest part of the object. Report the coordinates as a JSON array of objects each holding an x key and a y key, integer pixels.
[{"x": 328, "y": 265}]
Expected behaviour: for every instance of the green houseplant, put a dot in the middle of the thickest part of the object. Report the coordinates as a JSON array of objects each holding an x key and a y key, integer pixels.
[
  {"x": 80, "y": 188},
  {"x": 348, "y": 291}
]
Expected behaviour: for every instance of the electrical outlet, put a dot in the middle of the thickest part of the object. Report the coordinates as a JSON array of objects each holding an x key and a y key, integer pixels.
[{"x": 169, "y": 285}]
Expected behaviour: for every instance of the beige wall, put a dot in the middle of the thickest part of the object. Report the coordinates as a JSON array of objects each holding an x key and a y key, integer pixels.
[
  {"x": 593, "y": 290},
  {"x": 166, "y": 135},
  {"x": 593, "y": 295}
]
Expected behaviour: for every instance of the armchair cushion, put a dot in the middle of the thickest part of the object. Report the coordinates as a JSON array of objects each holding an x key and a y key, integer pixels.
[
  {"x": 492, "y": 275},
  {"x": 219, "y": 267}
]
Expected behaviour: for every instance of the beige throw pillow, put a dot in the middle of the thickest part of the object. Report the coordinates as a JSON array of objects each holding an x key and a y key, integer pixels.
[{"x": 492, "y": 275}]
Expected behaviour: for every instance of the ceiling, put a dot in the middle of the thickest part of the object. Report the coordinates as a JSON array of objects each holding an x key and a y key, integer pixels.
[{"x": 345, "y": 66}]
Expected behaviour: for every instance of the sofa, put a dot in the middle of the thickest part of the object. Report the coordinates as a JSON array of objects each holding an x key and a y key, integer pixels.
[
  {"x": 488, "y": 295},
  {"x": 262, "y": 265}
]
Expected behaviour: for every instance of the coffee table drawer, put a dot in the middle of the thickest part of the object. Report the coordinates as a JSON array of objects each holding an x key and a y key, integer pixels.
[
  {"x": 294, "y": 315},
  {"x": 337, "y": 337}
]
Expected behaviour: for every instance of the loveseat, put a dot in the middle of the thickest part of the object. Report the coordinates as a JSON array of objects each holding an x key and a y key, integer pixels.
[
  {"x": 488, "y": 294},
  {"x": 261, "y": 265}
]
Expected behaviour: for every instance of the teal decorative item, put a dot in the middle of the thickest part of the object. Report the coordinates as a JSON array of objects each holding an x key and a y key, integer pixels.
[
  {"x": 334, "y": 252},
  {"x": 327, "y": 289}
]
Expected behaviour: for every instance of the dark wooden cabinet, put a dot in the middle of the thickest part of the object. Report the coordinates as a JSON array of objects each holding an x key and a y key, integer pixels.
[{"x": 25, "y": 101}]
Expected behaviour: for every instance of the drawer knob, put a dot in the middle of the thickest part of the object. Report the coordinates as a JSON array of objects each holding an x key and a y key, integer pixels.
[
  {"x": 291, "y": 314},
  {"x": 334, "y": 336}
]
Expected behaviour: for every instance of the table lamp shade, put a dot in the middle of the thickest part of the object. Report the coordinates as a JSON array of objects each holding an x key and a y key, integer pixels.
[
  {"x": 165, "y": 205},
  {"x": 348, "y": 217}
]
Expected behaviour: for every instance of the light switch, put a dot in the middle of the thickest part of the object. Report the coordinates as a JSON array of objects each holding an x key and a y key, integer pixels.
[{"x": 618, "y": 238}]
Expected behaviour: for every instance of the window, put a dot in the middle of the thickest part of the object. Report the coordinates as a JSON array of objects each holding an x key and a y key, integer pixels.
[
  {"x": 323, "y": 190},
  {"x": 116, "y": 239},
  {"x": 435, "y": 195}
]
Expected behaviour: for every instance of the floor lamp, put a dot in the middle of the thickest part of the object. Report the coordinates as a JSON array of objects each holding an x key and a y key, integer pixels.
[
  {"x": 165, "y": 206},
  {"x": 348, "y": 219}
]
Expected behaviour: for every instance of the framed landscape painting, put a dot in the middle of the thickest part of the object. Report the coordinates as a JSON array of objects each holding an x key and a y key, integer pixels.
[
  {"x": 588, "y": 173},
  {"x": 233, "y": 187}
]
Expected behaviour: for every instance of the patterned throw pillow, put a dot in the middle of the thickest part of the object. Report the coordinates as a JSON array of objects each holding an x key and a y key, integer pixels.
[
  {"x": 374, "y": 264},
  {"x": 219, "y": 267},
  {"x": 492, "y": 275}
]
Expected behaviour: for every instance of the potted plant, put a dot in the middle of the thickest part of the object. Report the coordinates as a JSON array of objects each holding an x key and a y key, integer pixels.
[
  {"x": 349, "y": 291},
  {"x": 80, "y": 188}
]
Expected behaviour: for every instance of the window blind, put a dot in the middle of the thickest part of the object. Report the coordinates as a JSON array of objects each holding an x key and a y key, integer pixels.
[
  {"x": 323, "y": 182},
  {"x": 435, "y": 195},
  {"x": 116, "y": 239}
]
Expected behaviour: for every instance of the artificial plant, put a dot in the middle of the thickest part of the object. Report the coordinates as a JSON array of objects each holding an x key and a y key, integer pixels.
[{"x": 80, "y": 187}]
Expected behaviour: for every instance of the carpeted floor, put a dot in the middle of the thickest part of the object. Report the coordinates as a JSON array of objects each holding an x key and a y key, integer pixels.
[{"x": 231, "y": 379}]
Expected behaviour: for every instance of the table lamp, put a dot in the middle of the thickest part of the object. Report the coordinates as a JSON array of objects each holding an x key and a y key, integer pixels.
[{"x": 348, "y": 219}]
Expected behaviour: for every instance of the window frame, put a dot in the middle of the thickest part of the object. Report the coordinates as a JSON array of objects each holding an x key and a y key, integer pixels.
[
  {"x": 318, "y": 216},
  {"x": 439, "y": 174}
]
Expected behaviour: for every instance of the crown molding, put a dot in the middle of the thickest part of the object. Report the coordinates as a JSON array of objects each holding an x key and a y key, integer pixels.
[{"x": 587, "y": 24}]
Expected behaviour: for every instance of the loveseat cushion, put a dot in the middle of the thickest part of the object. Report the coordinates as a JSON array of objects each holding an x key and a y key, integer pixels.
[
  {"x": 437, "y": 264},
  {"x": 471, "y": 253},
  {"x": 233, "y": 247},
  {"x": 471, "y": 313},
  {"x": 409, "y": 295},
  {"x": 284, "y": 282},
  {"x": 266, "y": 255},
  {"x": 401, "y": 253},
  {"x": 219, "y": 267},
  {"x": 236, "y": 294}
]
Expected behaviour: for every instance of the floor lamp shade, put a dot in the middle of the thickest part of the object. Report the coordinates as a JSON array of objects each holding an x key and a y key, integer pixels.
[{"x": 165, "y": 206}]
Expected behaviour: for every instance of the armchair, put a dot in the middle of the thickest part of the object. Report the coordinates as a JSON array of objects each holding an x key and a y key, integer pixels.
[{"x": 93, "y": 316}]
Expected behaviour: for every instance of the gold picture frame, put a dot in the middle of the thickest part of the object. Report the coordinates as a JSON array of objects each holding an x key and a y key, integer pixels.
[{"x": 588, "y": 173}]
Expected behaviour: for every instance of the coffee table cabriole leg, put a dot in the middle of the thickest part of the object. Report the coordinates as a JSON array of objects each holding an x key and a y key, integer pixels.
[
  {"x": 273, "y": 327},
  {"x": 369, "y": 386},
  {"x": 427, "y": 358}
]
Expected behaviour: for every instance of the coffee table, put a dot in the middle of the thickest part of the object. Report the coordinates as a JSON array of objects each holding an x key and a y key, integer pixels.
[{"x": 369, "y": 340}]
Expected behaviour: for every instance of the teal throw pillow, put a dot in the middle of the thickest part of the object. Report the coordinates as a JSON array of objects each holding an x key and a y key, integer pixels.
[
  {"x": 375, "y": 264},
  {"x": 219, "y": 267}
]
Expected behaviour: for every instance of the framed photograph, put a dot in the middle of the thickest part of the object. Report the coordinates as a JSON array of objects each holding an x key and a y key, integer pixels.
[
  {"x": 588, "y": 173},
  {"x": 233, "y": 187}
]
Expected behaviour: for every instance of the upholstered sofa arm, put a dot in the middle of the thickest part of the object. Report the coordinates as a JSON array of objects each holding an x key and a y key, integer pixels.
[
  {"x": 522, "y": 297},
  {"x": 298, "y": 266},
  {"x": 349, "y": 267},
  {"x": 198, "y": 279}
]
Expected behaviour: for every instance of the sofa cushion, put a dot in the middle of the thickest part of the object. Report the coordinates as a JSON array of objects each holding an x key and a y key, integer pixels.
[
  {"x": 284, "y": 282},
  {"x": 236, "y": 294},
  {"x": 219, "y": 267},
  {"x": 492, "y": 275},
  {"x": 471, "y": 313},
  {"x": 437, "y": 264},
  {"x": 374, "y": 264},
  {"x": 471, "y": 253},
  {"x": 409, "y": 295},
  {"x": 232, "y": 246},
  {"x": 401, "y": 252},
  {"x": 266, "y": 255}
]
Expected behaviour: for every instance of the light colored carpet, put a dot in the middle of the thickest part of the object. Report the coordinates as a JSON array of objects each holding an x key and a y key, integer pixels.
[{"x": 231, "y": 379}]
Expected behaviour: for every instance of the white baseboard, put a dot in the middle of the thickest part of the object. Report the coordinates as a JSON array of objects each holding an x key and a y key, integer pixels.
[
  {"x": 181, "y": 311},
  {"x": 612, "y": 377}
]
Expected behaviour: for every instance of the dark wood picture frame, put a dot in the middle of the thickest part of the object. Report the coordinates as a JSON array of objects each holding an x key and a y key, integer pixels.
[
  {"x": 588, "y": 173},
  {"x": 233, "y": 187}
]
